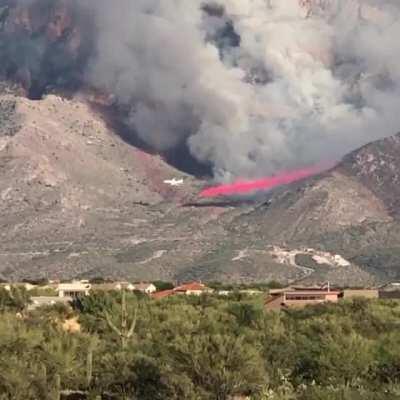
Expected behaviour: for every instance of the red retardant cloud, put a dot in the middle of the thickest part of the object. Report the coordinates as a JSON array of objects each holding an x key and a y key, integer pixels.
[{"x": 242, "y": 187}]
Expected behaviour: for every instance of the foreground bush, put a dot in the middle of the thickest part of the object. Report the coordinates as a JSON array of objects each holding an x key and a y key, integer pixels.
[{"x": 206, "y": 348}]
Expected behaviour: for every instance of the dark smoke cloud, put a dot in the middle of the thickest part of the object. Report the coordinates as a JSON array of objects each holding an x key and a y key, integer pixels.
[
  {"x": 251, "y": 86},
  {"x": 44, "y": 43}
]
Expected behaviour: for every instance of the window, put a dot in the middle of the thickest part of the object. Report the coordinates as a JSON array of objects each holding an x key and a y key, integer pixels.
[{"x": 305, "y": 297}]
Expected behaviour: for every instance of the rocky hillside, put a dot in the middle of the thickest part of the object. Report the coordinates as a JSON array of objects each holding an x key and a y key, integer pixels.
[
  {"x": 78, "y": 200},
  {"x": 351, "y": 210}
]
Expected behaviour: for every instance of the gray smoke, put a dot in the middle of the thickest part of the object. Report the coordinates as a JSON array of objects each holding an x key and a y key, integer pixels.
[{"x": 253, "y": 86}]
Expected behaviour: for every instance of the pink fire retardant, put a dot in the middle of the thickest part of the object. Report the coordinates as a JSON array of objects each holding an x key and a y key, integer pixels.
[{"x": 242, "y": 187}]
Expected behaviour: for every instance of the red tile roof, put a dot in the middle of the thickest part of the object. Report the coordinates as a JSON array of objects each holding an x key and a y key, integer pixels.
[
  {"x": 162, "y": 294},
  {"x": 187, "y": 287}
]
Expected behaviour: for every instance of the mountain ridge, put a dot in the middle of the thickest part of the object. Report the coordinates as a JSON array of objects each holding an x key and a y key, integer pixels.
[{"x": 78, "y": 200}]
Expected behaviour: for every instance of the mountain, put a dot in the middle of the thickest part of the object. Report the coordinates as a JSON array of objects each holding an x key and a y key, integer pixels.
[
  {"x": 351, "y": 210},
  {"x": 78, "y": 199}
]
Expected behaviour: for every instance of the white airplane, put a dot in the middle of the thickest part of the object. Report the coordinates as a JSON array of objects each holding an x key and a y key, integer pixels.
[{"x": 174, "y": 182}]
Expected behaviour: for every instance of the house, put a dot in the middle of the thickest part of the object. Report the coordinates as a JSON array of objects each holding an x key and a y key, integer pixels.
[
  {"x": 224, "y": 292},
  {"x": 26, "y": 286},
  {"x": 391, "y": 286},
  {"x": 194, "y": 288},
  {"x": 147, "y": 288},
  {"x": 357, "y": 293},
  {"x": 43, "y": 301},
  {"x": 390, "y": 291},
  {"x": 299, "y": 297},
  {"x": 74, "y": 289},
  {"x": 113, "y": 286},
  {"x": 251, "y": 292},
  {"x": 189, "y": 289}
]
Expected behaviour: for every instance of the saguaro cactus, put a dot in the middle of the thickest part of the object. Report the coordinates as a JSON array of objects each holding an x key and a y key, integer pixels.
[
  {"x": 42, "y": 381},
  {"x": 89, "y": 366},
  {"x": 124, "y": 332},
  {"x": 57, "y": 387}
]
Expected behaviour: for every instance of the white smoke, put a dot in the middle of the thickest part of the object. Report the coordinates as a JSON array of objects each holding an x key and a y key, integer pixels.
[{"x": 252, "y": 85}]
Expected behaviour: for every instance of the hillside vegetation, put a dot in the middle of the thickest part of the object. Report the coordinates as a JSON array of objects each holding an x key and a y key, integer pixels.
[{"x": 129, "y": 347}]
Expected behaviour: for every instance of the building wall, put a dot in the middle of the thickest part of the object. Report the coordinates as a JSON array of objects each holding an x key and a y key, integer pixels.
[
  {"x": 365, "y": 293},
  {"x": 393, "y": 294},
  {"x": 331, "y": 297},
  {"x": 302, "y": 303},
  {"x": 194, "y": 292},
  {"x": 73, "y": 289},
  {"x": 150, "y": 289},
  {"x": 281, "y": 301}
]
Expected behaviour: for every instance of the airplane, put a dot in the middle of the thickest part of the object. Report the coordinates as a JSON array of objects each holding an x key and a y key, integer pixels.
[{"x": 174, "y": 182}]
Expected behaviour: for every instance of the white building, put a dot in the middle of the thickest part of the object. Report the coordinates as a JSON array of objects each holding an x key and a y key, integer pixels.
[
  {"x": 73, "y": 289},
  {"x": 42, "y": 301},
  {"x": 193, "y": 289},
  {"x": 147, "y": 288},
  {"x": 26, "y": 286}
]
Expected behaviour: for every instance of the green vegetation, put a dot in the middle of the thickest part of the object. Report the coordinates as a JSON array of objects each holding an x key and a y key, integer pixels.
[
  {"x": 161, "y": 285},
  {"x": 195, "y": 348},
  {"x": 15, "y": 299},
  {"x": 9, "y": 118}
]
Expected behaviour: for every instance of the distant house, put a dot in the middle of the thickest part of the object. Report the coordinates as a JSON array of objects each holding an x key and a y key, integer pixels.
[
  {"x": 111, "y": 286},
  {"x": 189, "y": 289},
  {"x": 224, "y": 292},
  {"x": 390, "y": 291},
  {"x": 194, "y": 288},
  {"x": 251, "y": 292},
  {"x": 357, "y": 293},
  {"x": 391, "y": 286},
  {"x": 299, "y": 297},
  {"x": 43, "y": 301},
  {"x": 147, "y": 288},
  {"x": 24, "y": 285},
  {"x": 28, "y": 286},
  {"x": 392, "y": 295},
  {"x": 73, "y": 289}
]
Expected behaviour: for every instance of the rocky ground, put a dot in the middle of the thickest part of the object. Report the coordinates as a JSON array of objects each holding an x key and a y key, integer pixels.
[{"x": 78, "y": 200}]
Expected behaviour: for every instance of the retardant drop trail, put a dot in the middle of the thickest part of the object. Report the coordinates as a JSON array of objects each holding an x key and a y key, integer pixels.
[{"x": 242, "y": 187}]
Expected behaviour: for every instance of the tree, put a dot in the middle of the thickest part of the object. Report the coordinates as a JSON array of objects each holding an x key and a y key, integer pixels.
[
  {"x": 219, "y": 365},
  {"x": 161, "y": 285},
  {"x": 15, "y": 299},
  {"x": 246, "y": 314}
]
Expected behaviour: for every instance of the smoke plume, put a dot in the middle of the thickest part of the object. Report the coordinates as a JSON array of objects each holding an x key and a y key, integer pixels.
[{"x": 252, "y": 86}]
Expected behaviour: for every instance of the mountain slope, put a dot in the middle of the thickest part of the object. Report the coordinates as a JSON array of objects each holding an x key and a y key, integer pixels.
[
  {"x": 77, "y": 200},
  {"x": 66, "y": 179},
  {"x": 351, "y": 210}
]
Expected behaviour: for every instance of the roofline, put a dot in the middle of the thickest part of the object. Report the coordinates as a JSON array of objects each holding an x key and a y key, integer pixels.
[{"x": 313, "y": 292}]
